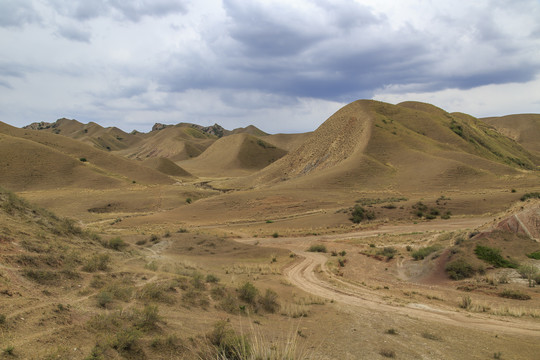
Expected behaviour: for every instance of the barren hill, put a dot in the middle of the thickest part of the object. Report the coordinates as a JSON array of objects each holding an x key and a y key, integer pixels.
[
  {"x": 111, "y": 138},
  {"x": 234, "y": 155},
  {"x": 410, "y": 145},
  {"x": 166, "y": 166},
  {"x": 523, "y": 128},
  {"x": 36, "y": 159},
  {"x": 176, "y": 143}
]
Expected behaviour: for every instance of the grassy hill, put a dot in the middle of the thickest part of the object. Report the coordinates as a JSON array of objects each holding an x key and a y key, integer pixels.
[
  {"x": 36, "y": 159},
  {"x": 407, "y": 146},
  {"x": 523, "y": 128}
]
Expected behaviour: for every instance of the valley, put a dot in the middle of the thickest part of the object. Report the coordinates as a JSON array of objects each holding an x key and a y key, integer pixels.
[{"x": 391, "y": 231}]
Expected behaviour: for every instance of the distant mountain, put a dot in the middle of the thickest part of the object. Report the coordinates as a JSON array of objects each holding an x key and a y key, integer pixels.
[
  {"x": 34, "y": 159},
  {"x": 175, "y": 142}
]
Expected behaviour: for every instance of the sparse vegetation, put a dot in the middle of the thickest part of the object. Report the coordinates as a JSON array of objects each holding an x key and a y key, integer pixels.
[
  {"x": 116, "y": 243},
  {"x": 534, "y": 255},
  {"x": 424, "y": 252},
  {"x": 531, "y": 195},
  {"x": 514, "y": 294},
  {"x": 317, "y": 248},
  {"x": 493, "y": 256},
  {"x": 459, "y": 269},
  {"x": 359, "y": 214},
  {"x": 248, "y": 292},
  {"x": 389, "y": 252},
  {"x": 529, "y": 272}
]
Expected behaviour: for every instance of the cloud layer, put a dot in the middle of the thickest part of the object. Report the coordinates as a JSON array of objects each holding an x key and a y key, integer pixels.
[{"x": 283, "y": 66}]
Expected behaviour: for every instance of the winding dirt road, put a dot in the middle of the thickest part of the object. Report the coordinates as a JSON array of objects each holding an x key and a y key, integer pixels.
[{"x": 311, "y": 274}]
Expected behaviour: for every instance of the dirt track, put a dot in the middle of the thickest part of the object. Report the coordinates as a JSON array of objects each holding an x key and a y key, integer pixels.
[{"x": 303, "y": 274}]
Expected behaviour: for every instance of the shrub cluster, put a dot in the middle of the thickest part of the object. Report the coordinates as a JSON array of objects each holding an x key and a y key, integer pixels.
[
  {"x": 422, "y": 253},
  {"x": 459, "y": 269},
  {"x": 359, "y": 213},
  {"x": 494, "y": 257}
]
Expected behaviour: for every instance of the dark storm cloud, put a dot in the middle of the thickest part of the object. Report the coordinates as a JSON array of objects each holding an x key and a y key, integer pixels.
[
  {"x": 337, "y": 53},
  {"x": 343, "y": 51},
  {"x": 16, "y": 13}
]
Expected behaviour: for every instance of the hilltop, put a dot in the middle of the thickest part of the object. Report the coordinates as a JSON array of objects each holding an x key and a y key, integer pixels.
[{"x": 407, "y": 146}]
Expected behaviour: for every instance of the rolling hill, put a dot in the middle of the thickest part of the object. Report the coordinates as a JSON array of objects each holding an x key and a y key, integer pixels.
[
  {"x": 408, "y": 146},
  {"x": 39, "y": 160},
  {"x": 523, "y": 128},
  {"x": 234, "y": 155}
]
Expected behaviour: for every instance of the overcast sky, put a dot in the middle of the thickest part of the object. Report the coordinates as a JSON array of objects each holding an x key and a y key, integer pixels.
[{"x": 282, "y": 65}]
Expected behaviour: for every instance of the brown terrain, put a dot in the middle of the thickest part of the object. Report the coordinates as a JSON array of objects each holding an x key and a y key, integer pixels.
[{"x": 193, "y": 242}]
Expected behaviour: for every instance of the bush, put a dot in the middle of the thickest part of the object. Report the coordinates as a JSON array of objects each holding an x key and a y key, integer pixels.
[
  {"x": 104, "y": 298},
  {"x": 116, "y": 244},
  {"x": 317, "y": 248},
  {"x": 459, "y": 269},
  {"x": 229, "y": 345},
  {"x": 212, "y": 278},
  {"x": 2, "y": 319},
  {"x": 528, "y": 272},
  {"x": 269, "y": 301},
  {"x": 359, "y": 213},
  {"x": 422, "y": 253},
  {"x": 275, "y": 235},
  {"x": 532, "y": 195},
  {"x": 534, "y": 255},
  {"x": 83, "y": 159},
  {"x": 514, "y": 294},
  {"x": 126, "y": 339},
  {"x": 189, "y": 201},
  {"x": 97, "y": 262},
  {"x": 388, "y": 251},
  {"x": 147, "y": 318},
  {"x": 248, "y": 292},
  {"x": 493, "y": 256}
]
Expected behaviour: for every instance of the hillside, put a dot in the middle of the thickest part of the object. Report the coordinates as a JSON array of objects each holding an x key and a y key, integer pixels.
[
  {"x": 523, "y": 128},
  {"x": 411, "y": 145},
  {"x": 110, "y": 139},
  {"x": 35, "y": 160},
  {"x": 167, "y": 167},
  {"x": 234, "y": 155}
]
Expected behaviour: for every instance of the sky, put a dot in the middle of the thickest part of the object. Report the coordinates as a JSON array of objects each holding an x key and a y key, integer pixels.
[{"x": 281, "y": 65}]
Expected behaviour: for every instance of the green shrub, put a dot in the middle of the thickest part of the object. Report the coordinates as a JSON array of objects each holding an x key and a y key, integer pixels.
[
  {"x": 97, "y": 262},
  {"x": 534, "y": 255},
  {"x": 83, "y": 159},
  {"x": 493, "y": 256},
  {"x": 228, "y": 343},
  {"x": 154, "y": 238},
  {"x": 104, "y": 298},
  {"x": 459, "y": 269},
  {"x": 126, "y": 339},
  {"x": 317, "y": 248},
  {"x": 275, "y": 235},
  {"x": 424, "y": 252},
  {"x": 514, "y": 294},
  {"x": 189, "y": 201},
  {"x": 359, "y": 213},
  {"x": 528, "y": 272},
  {"x": 9, "y": 350},
  {"x": 44, "y": 277},
  {"x": 269, "y": 301},
  {"x": 388, "y": 252},
  {"x": 116, "y": 244},
  {"x": 532, "y": 195},
  {"x": 392, "y": 331},
  {"x": 147, "y": 318},
  {"x": 248, "y": 292},
  {"x": 212, "y": 278}
]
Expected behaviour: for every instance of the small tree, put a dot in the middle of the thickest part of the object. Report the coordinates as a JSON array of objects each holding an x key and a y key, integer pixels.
[{"x": 529, "y": 272}]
